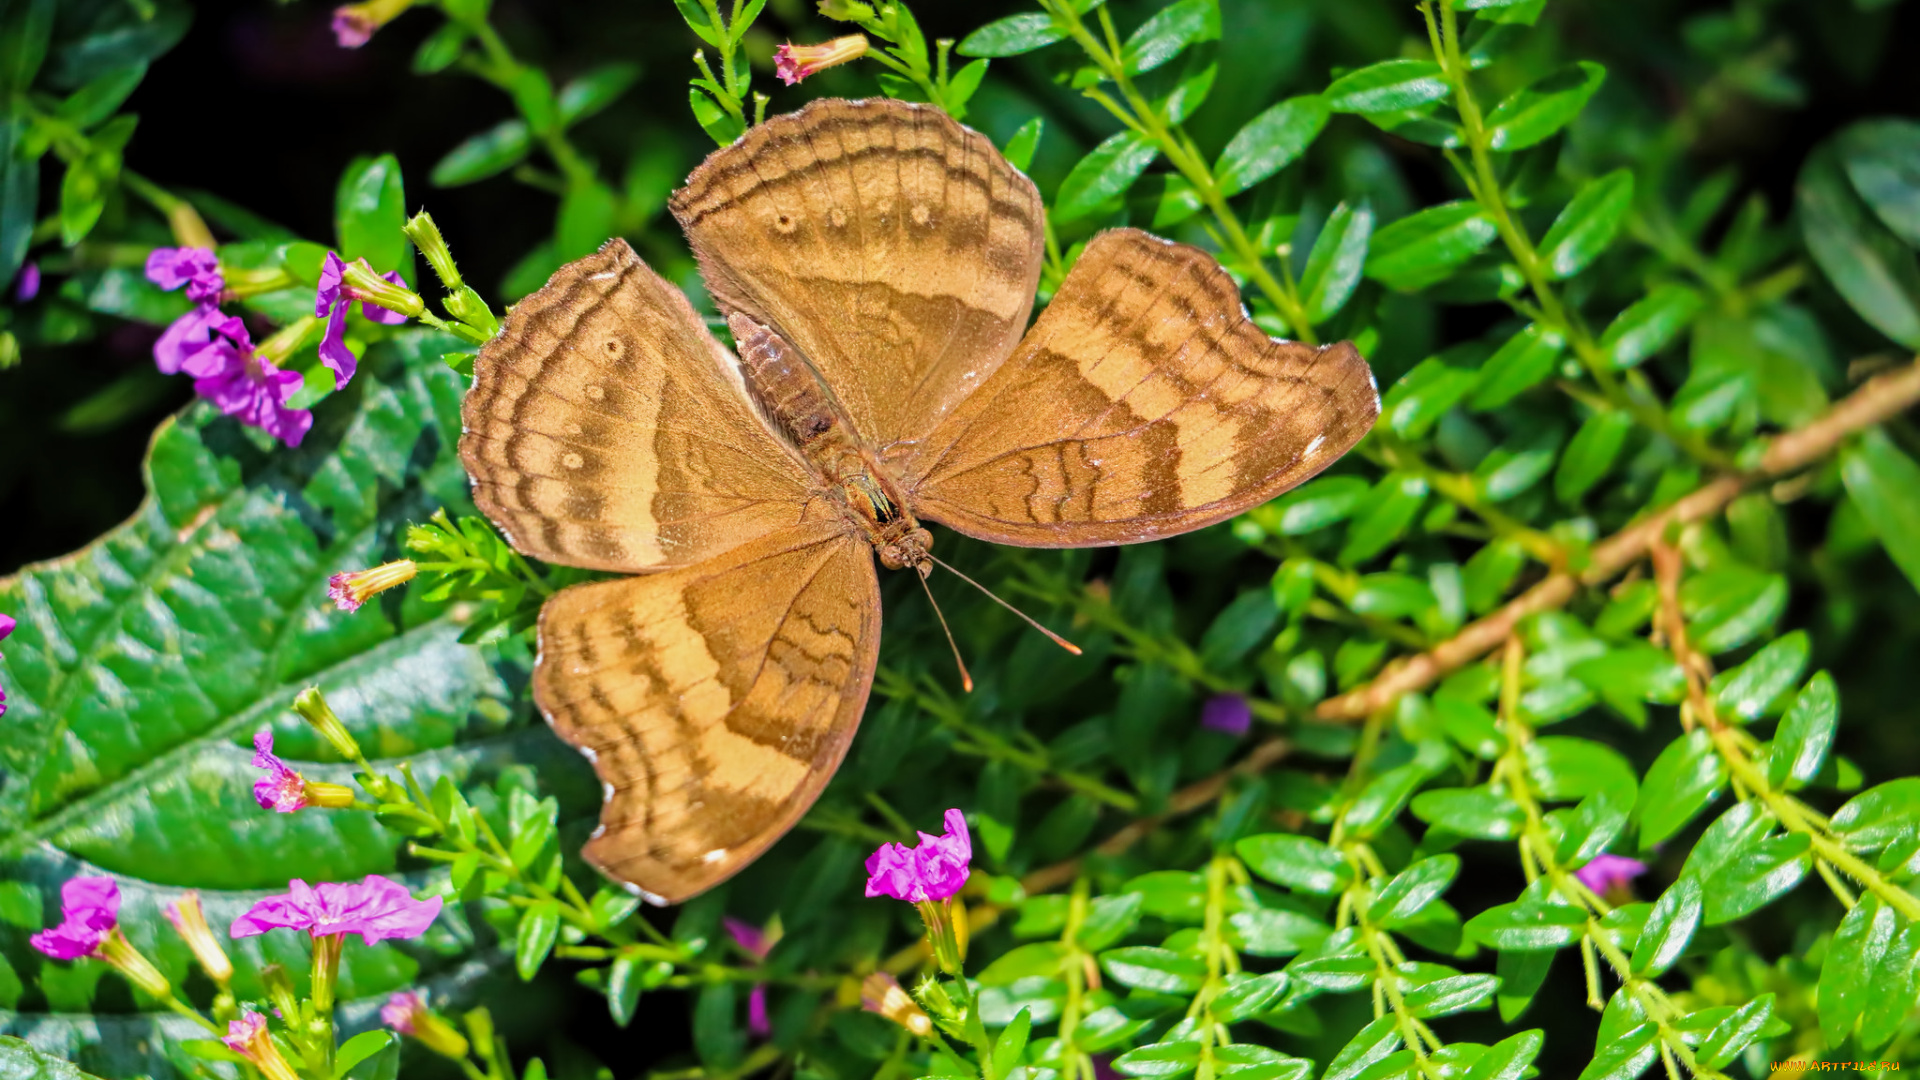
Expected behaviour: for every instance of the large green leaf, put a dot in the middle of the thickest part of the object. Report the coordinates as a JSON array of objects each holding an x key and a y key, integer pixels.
[{"x": 144, "y": 663}]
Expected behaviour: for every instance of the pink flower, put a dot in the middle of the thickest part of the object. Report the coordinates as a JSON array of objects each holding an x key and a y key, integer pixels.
[
  {"x": 376, "y": 908},
  {"x": 89, "y": 910},
  {"x": 935, "y": 869},
  {"x": 748, "y": 936},
  {"x": 331, "y": 302},
  {"x": 1610, "y": 874},
  {"x": 282, "y": 790},
  {"x": 245, "y": 386},
  {"x": 400, "y": 1009},
  {"x": 248, "y": 1037},
  {"x": 351, "y": 29},
  {"x": 6, "y": 627},
  {"x": 28, "y": 286},
  {"x": 1228, "y": 714},
  {"x": 195, "y": 267},
  {"x": 185, "y": 337},
  {"x": 758, "y": 1025},
  {"x": 795, "y": 62},
  {"x": 350, "y": 589},
  {"x": 241, "y": 1033}
]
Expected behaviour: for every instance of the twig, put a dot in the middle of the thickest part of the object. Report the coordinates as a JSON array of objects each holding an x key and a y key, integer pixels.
[{"x": 1880, "y": 398}]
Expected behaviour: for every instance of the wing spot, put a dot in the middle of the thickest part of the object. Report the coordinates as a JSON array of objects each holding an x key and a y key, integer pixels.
[
  {"x": 616, "y": 348},
  {"x": 573, "y": 460},
  {"x": 785, "y": 224},
  {"x": 838, "y": 217},
  {"x": 921, "y": 215}
]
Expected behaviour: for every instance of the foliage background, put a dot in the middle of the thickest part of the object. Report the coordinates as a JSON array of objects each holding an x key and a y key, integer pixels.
[{"x": 256, "y": 106}]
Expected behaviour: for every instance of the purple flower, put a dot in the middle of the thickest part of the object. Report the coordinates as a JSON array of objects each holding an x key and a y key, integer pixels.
[
  {"x": 1608, "y": 874},
  {"x": 376, "y": 908},
  {"x": 6, "y": 627},
  {"x": 399, "y": 1011},
  {"x": 89, "y": 910},
  {"x": 351, "y": 28},
  {"x": 282, "y": 790},
  {"x": 249, "y": 1038},
  {"x": 935, "y": 869},
  {"x": 243, "y": 385},
  {"x": 185, "y": 338},
  {"x": 28, "y": 286},
  {"x": 195, "y": 267},
  {"x": 1228, "y": 714},
  {"x": 331, "y": 302},
  {"x": 748, "y": 936},
  {"x": 758, "y": 1025}
]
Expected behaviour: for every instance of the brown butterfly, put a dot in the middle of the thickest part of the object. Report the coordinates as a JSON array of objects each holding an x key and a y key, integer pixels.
[{"x": 876, "y": 263}]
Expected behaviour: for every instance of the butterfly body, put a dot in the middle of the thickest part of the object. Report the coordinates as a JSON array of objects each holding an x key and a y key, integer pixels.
[{"x": 877, "y": 264}]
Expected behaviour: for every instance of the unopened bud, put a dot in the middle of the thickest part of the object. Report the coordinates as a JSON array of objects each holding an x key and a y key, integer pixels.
[
  {"x": 349, "y": 589},
  {"x": 280, "y": 991},
  {"x": 465, "y": 304},
  {"x": 189, "y": 229},
  {"x": 354, "y": 25},
  {"x": 426, "y": 237},
  {"x": 190, "y": 921},
  {"x": 328, "y": 796},
  {"x": 116, "y": 950},
  {"x": 361, "y": 283},
  {"x": 881, "y": 993},
  {"x": 248, "y": 1037},
  {"x": 407, "y": 1014},
  {"x": 313, "y": 708},
  {"x": 795, "y": 62}
]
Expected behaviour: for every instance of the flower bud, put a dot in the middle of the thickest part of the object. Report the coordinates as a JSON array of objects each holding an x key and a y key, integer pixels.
[
  {"x": 407, "y": 1014},
  {"x": 190, "y": 921},
  {"x": 350, "y": 589},
  {"x": 795, "y": 62},
  {"x": 465, "y": 304},
  {"x": 328, "y": 796},
  {"x": 189, "y": 230},
  {"x": 881, "y": 994},
  {"x": 313, "y": 708},
  {"x": 280, "y": 991},
  {"x": 846, "y": 10},
  {"x": 248, "y": 1037},
  {"x": 426, "y": 237},
  {"x": 363, "y": 284},
  {"x": 354, "y": 24},
  {"x": 131, "y": 963}
]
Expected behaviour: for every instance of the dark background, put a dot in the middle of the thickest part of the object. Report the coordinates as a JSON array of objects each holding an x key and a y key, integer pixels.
[{"x": 258, "y": 106}]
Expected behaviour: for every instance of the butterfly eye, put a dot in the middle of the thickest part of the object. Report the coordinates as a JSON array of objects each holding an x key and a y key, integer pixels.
[
  {"x": 616, "y": 348},
  {"x": 784, "y": 223}
]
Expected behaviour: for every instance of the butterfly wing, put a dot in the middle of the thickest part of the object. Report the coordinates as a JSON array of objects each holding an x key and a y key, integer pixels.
[
  {"x": 606, "y": 427},
  {"x": 715, "y": 700},
  {"x": 895, "y": 249},
  {"x": 1143, "y": 403}
]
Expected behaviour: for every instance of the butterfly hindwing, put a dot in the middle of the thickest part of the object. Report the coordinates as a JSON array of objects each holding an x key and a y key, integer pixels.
[
  {"x": 715, "y": 700},
  {"x": 606, "y": 427},
  {"x": 897, "y": 250},
  {"x": 1143, "y": 403}
]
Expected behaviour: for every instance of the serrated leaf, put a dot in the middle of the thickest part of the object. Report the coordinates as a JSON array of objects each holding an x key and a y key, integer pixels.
[
  {"x": 1588, "y": 224},
  {"x": 1269, "y": 142}
]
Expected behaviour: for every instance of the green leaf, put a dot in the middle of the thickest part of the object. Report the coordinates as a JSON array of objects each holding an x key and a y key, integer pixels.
[
  {"x": 99, "y": 98},
  {"x": 1425, "y": 248},
  {"x": 1324, "y": 501},
  {"x": 83, "y": 195},
  {"x": 1591, "y": 454},
  {"x": 1269, "y": 142},
  {"x": 720, "y": 125},
  {"x": 1806, "y": 734},
  {"x": 1422, "y": 396},
  {"x": 1168, "y": 31},
  {"x": 1646, "y": 327},
  {"x": 1013, "y": 35},
  {"x": 19, "y": 1060},
  {"x": 1676, "y": 915},
  {"x": 1755, "y": 876},
  {"x": 1568, "y": 769},
  {"x": 1383, "y": 516},
  {"x": 1877, "y": 275},
  {"x": 1683, "y": 779},
  {"x": 1388, "y": 86},
  {"x": 1391, "y": 596},
  {"x": 358, "y": 1049},
  {"x": 370, "y": 208},
  {"x": 1041, "y": 958},
  {"x": 1535, "y": 113},
  {"x": 1455, "y": 993},
  {"x": 1248, "y": 995},
  {"x": 1880, "y": 815},
  {"x": 1521, "y": 974},
  {"x": 1853, "y": 958},
  {"x": 1160, "y": 1060},
  {"x": 24, "y": 36},
  {"x": 1265, "y": 931},
  {"x": 144, "y": 663},
  {"x": 1371, "y": 1044},
  {"x": 964, "y": 84},
  {"x": 1109, "y": 919},
  {"x": 487, "y": 154},
  {"x": 1380, "y": 801},
  {"x": 1490, "y": 573},
  {"x": 1011, "y": 1043},
  {"x": 441, "y": 49},
  {"x": 1413, "y": 889},
  {"x": 1588, "y": 224},
  {"x": 1732, "y": 1035},
  {"x": 1881, "y": 481},
  {"x": 1748, "y": 690},
  {"x": 1298, "y": 862},
  {"x": 1335, "y": 263},
  {"x": 623, "y": 990},
  {"x": 717, "y": 1035},
  {"x": 1592, "y": 827},
  {"x": 1524, "y": 361},
  {"x": 1730, "y": 606},
  {"x": 19, "y": 198},
  {"x": 1146, "y": 967},
  {"x": 1882, "y": 159},
  {"x": 1626, "y": 1056},
  {"x": 1105, "y": 173},
  {"x": 1508, "y": 1059},
  {"x": 1019, "y": 149},
  {"x": 700, "y": 22},
  {"x": 1520, "y": 463},
  {"x": 533, "y": 941},
  {"x": 1527, "y": 926},
  {"x": 595, "y": 90},
  {"x": 1479, "y": 812}
]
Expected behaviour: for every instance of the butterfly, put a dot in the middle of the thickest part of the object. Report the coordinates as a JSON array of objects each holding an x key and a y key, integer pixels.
[{"x": 876, "y": 263}]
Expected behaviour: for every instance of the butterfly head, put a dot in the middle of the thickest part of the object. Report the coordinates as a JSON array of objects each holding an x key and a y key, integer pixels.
[{"x": 911, "y": 549}]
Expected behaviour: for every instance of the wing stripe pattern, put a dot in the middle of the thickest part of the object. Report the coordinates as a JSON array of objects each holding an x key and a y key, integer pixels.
[
  {"x": 716, "y": 700},
  {"x": 1143, "y": 403}
]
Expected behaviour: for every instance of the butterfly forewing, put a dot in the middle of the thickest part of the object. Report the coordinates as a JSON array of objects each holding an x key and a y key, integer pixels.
[
  {"x": 606, "y": 428},
  {"x": 1143, "y": 403},
  {"x": 895, "y": 249},
  {"x": 715, "y": 700}
]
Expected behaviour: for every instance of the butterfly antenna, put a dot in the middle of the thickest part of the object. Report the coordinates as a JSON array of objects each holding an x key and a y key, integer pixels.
[
  {"x": 1031, "y": 621},
  {"x": 966, "y": 680}
]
